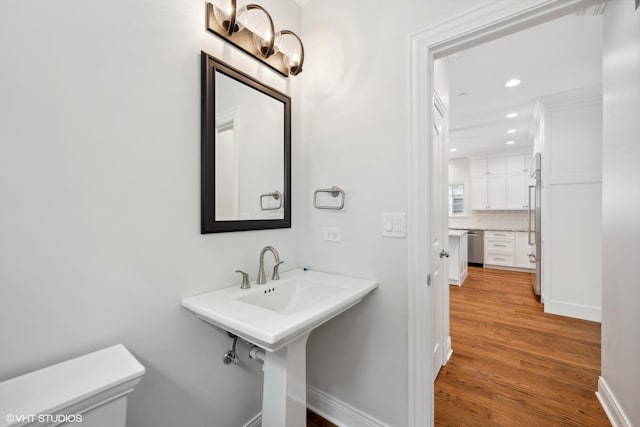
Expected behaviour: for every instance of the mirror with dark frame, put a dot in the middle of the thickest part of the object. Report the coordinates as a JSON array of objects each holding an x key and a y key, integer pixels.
[{"x": 246, "y": 152}]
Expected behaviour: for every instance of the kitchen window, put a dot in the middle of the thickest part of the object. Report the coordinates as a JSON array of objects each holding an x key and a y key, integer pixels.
[{"x": 456, "y": 199}]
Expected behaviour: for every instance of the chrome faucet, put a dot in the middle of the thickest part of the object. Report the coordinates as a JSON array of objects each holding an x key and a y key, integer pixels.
[{"x": 262, "y": 277}]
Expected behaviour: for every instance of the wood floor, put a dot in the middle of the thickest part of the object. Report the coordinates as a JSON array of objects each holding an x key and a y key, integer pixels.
[
  {"x": 513, "y": 365},
  {"x": 315, "y": 420}
]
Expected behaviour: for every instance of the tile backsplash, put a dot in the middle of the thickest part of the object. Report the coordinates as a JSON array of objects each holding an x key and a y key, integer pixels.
[{"x": 494, "y": 220}]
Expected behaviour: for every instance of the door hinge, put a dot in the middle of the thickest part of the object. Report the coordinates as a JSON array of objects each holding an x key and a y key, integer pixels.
[{"x": 428, "y": 279}]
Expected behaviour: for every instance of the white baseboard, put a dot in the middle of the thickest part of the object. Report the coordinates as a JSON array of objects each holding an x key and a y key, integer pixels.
[
  {"x": 502, "y": 267},
  {"x": 449, "y": 350},
  {"x": 611, "y": 406},
  {"x": 579, "y": 311},
  {"x": 331, "y": 409},
  {"x": 337, "y": 411},
  {"x": 255, "y": 421}
]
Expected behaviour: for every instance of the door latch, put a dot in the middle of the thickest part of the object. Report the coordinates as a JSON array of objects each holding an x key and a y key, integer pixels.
[{"x": 444, "y": 253}]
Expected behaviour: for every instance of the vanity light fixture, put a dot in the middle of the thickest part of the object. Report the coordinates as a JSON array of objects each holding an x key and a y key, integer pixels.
[
  {"x": 232, "y": 24},
  {"x": 512, "y": 83},
  {"x": 512, "y": 115},
  {"x": 510, "y": 142},
  {"x": 511, "y": 131}
]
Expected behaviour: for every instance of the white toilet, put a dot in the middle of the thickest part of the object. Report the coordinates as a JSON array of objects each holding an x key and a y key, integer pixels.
[{"x": 88, "y": 391}]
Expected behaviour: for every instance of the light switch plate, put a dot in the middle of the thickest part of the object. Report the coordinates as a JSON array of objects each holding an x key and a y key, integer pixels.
[
  {"x": 394, "y": 224},
  {"x": 332, "y": 234}
]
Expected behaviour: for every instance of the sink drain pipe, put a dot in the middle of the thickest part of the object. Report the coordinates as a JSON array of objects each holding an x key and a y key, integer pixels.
[{"x": 256, "y": 353}]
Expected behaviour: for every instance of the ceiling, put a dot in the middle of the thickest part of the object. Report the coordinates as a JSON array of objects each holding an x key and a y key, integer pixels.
[{"x": 553, "y": 57}]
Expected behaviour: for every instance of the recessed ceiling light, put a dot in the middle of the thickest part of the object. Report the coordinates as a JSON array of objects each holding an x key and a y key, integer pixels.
[
  {"x": 512, "y": 83},
  {"x": 511, "y": 131},
  {"x": 463, "y": 94},
  {"x": 453, "y": 150},
  {"x": 510, "y": 142},
  {"x": 512, "y": 115}
]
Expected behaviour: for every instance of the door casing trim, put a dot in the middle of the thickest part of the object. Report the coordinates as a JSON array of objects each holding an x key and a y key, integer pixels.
[{"x": 488, "y": 21}]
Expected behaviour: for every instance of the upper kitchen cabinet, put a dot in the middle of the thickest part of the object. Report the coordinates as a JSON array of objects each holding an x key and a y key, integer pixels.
[
  {"x": 488, "y": 183},
  {"x": 517, "y": 182},
  {"x": 500, "y": 183},
  {"x": 490, "y": 166}
]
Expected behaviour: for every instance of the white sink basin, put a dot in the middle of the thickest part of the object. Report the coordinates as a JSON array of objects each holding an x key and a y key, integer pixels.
[
  {"x": 274, "y": 314},
  {"x": 279, "y": 316}
]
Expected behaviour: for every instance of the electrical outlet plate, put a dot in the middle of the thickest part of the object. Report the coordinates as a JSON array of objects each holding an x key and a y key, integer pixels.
[{"x": 332, "y": 234}]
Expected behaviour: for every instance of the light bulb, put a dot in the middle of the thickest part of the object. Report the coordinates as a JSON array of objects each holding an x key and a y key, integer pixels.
[
  {"x": 263, "y": 44},
  {"x": 223, "y": 12},
  {"x": 292, "y": 63}
]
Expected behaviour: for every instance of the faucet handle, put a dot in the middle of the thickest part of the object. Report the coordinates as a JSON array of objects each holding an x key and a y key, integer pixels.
[
  {"x": 276, "y": 273},
  {"x": 245, "y": 280}
]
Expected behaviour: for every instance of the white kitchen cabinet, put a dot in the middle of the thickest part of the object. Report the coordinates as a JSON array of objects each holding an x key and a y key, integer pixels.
[
  {"x": 516, "y": 164},
  {"x": 499, "y": 248},
  {"x": 489, "y": 166},
  {"x": 500, "y": 183},
  {"x": 516, "y": 195},
  {"x": 488, "y": 183},
  {"x": 496, "y": 165},
  {"x": 496, "y": 194},
  {"x": 518, "y": 181},
  {"x": 479, "y": 193},
  {"x": 508, "y": 249},
  {"x": 458, "y": 256},
  {"x": 524, "y": 250}
]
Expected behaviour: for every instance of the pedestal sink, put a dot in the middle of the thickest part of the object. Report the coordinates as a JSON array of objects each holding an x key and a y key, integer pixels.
[{"x": 278, "y": 317}]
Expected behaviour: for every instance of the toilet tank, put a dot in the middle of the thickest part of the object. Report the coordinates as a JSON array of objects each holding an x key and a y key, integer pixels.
[{"x": 88, "y": 391}]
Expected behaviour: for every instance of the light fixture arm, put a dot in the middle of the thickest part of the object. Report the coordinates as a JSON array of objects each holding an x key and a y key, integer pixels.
[
  {"x": 226, "y": 17},
  {"x": 232, "y": 19}
]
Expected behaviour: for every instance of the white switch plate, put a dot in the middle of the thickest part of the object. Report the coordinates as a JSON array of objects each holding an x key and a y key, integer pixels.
[
  {"x": 332, "y": 234},
  {"x": 394, "y": 224}
]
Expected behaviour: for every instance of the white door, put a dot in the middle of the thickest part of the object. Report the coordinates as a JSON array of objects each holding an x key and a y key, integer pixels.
[{"x": 440, "y": 238}]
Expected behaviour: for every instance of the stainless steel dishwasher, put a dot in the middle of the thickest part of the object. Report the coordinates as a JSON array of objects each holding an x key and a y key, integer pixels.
[{"x": 476, "y": 247}]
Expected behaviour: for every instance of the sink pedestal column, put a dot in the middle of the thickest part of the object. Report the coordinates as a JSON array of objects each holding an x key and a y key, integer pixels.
[{"x": 284, "y": 397}]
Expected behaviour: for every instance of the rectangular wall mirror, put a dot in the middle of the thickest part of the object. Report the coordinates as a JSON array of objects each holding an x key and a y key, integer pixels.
[{"x": 246, "y": 152}]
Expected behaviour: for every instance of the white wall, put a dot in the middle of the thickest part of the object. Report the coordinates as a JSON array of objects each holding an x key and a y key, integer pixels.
[
  {"x": 100, "y": 188},
  {"x": 356, "y": 116},
  {"x": 621, "y": 208},
  {"x": 572, "y": 204}
]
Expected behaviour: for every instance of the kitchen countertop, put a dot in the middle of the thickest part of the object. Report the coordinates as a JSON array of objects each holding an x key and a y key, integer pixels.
[{"x": 457, "y": 232}]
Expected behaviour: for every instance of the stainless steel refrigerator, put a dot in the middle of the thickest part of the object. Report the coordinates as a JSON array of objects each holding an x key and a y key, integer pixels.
[{"x": 535, "y": 223}]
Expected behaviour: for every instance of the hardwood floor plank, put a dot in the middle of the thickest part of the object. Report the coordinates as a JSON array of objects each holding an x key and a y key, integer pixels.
[
  {"x": 315, "y": 420},
  {"x": 514, "y": 365}
]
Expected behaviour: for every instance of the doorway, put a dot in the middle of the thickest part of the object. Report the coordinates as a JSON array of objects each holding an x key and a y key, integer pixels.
[{"x": 480, "y": 25}]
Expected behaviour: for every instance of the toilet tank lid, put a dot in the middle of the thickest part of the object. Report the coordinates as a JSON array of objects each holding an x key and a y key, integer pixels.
[{"x": 50, "y": 389}]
